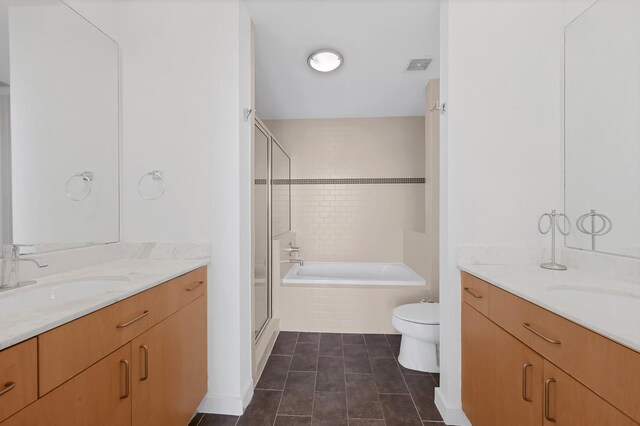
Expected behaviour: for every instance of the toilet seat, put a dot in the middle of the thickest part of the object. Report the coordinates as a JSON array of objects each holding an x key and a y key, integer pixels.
[{"x": 419, "y": 313}]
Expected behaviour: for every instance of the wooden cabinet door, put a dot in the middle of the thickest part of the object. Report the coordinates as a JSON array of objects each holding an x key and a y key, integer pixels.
[
  {"x": 99, "y": 396},
  {"x": 479, "y": 391},
  {"x": 170, "y": 368},
  {"x": 569, "y": 403},
  {"x": 518, "y": 381},
  {"x": 501, "y": 377}
]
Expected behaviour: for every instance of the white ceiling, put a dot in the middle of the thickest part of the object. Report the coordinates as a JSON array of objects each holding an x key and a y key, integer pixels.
[{"x": 377, "y": 39}]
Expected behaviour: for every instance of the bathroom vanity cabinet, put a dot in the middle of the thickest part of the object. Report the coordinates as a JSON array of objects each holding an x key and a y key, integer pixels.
[
  {"x": 141, "y": 361},
  {"x": 524, "y": 365}
]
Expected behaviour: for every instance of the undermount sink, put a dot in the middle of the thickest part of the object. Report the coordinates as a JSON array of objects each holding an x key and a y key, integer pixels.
[
  {"x": 38, "y": 296},
  {"x": 613, "y": 303}
]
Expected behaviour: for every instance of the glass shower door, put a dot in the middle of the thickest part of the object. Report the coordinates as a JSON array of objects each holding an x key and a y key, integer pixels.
[{"x": 261, "y": 269}]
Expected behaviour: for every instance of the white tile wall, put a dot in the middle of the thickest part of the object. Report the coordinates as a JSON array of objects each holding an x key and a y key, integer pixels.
[
  {"x": 349, "y": 223},
  {"x": 343, "y": 309},
  {"x": 364, "y": 222}
]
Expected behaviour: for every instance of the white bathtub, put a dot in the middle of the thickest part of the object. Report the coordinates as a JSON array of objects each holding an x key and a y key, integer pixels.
[{"x": 346, "y": 273}]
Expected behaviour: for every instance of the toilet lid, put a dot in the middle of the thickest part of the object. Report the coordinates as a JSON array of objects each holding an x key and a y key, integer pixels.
[{"x": 420, "y": 313}]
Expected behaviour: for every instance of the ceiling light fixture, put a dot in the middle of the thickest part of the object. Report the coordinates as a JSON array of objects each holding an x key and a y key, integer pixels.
[{"x": 325, "y": 60}]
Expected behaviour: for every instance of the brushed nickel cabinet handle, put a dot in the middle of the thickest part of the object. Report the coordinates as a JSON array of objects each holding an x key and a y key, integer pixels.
[
  {"x": 7, "y": 387},
  {"x": 547, "y": 415},
  {"x": 524, "y": 381},
  {"x": 127, "y": 378},
  {"x": 540, "y": 335},
  {"x": 476, "y": 295},
  {"x": 146, "y": 363},
  {"x": 127, "y": 324},
  {"x": 195, "y": 286}
]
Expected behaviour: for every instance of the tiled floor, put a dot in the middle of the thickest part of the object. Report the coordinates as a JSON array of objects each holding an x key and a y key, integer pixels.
[{"x": 329, "y": 379}]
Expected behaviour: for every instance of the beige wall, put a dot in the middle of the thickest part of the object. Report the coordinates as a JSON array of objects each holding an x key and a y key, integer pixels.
[
  {"x": 432, "y": 186},
  {"x": 355, "y": 222}
]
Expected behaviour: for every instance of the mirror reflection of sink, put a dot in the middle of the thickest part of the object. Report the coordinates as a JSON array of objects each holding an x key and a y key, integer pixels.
[
  {"x": 613, "y": 303},
  {"x": 54, "y": 294}
]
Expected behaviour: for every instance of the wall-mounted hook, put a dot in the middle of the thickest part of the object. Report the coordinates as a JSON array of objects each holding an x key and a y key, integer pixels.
[
  {"x": 246, "y": 113},
  {"x": 439, "y": 107}
]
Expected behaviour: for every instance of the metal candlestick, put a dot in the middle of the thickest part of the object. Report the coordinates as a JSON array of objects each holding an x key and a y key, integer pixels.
[{"x": 553, "y": 225}]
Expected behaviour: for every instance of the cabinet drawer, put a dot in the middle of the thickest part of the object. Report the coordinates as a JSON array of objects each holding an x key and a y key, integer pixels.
[
  {"x": 475, "y": 292},
  {"x": 67, "y": 350},
  {"x": 187, "y": 288},
  {"x": 18, "y": 377},
  {"x": 604, "y": 366},
  {"x": 510, "y": 312}
]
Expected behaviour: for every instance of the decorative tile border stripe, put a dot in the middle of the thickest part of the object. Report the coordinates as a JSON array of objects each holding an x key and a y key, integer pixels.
[{"x": 343, "y": 181}]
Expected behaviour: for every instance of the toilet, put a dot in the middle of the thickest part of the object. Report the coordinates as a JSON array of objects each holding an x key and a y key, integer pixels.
[{"x": 419, "y": 324}]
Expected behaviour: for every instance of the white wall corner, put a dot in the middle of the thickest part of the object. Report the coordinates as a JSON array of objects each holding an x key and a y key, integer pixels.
[
  {"x": 226, "y": 404},
  {"x": 452, "y": 415}
]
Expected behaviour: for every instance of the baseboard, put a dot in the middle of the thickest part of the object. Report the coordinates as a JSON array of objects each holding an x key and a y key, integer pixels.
[
  {"x": 450, "y": 415},
  {"x": 247, "y": 395}
]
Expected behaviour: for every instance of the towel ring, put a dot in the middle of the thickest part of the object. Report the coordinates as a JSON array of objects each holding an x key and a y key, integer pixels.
[
  {"x": 156, "y": 176},
  {"x": 86, "y": 177}
]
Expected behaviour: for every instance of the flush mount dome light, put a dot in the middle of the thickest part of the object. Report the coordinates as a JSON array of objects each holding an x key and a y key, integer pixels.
[{"x": 325, "y": 60}]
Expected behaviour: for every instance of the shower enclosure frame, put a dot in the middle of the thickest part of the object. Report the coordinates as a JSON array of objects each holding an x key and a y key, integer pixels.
[{"x": 271, "y": 140}]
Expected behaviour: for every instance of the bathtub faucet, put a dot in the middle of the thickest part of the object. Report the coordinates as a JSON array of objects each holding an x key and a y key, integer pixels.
[{"x": 299, "y": 261}]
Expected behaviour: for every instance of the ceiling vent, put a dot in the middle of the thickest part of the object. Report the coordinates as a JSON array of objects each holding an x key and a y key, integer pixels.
[{"x": 418, "y": 64}]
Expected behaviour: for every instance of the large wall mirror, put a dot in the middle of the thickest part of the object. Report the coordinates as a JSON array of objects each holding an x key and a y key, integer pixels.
[
  {"x": 59, "y": 128},
  {"x": 602, "y": 128}
]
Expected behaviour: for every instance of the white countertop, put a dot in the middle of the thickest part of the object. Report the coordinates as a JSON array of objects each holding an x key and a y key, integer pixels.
[
  {"x": 136, "y": 275},
  {"x": 533, "y": 283}
]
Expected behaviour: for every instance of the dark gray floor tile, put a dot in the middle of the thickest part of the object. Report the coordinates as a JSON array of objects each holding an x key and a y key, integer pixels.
[
  {"x": 275, "y": 372},
  {"x": 436, "y": 378},
  {"x": 293, "y": 421},
  {"x": 330, "y": 344},
  {"x": 305, "y": 337},
  {"x": 262, "y": 409},
  {"x": 329, "y": 422},
  {"x": 352, "y": 339},
  {"x": 366, "y": 422},
  {"x": 285, "y": 343},
  {"x": 399, "y": 410},
  {"x": 394, "y": 342},
  {"x": 387, "y": 376},
  {"x": 330, "y": 406},
  {"x": 356, "y": 359},
  {"x": 196, "y": 419},
  {"x": 407, "y": 371},
  {"x": 362, "y": 397},
  {"x": 305, "y": 357},
  {"x": 377, "y": 346},
  {"x": 218, "y": 420},
  {"x": 422, "y": 390},
  {"x": 330, "y": 374},
  {"x": 297, "y": 398}
]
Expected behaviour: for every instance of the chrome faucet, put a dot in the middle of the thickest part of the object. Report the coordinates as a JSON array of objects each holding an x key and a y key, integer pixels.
[
  {"x": 10, "y": 277},
  {"x": 293, "y": 259}
]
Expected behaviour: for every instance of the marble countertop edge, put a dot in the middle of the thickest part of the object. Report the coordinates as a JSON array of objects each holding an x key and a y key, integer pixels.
[
  {"x": 530, "y": 282},
  {"x": 26, "y": 325}
]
